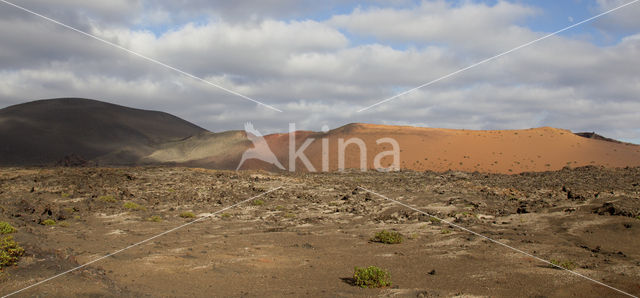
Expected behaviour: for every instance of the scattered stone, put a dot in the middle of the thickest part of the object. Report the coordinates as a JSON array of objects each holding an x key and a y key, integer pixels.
[{"x": 622, "y": 207}]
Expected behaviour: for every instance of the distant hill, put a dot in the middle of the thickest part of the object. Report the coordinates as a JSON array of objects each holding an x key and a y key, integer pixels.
[
  {"x": 74, "y": 131},
  {"x": 211, "y": 150},
  {"x": 44, "y": 132},
  {"x": 437, "y": 149},
  {"x": 421, "y": 149}
]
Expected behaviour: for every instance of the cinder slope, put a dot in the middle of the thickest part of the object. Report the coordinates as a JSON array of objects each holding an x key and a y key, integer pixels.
[
  {"x": 496, "y": 151},
  {"x": 44, "y": 131},
  {"x": 211, "y": 150}
]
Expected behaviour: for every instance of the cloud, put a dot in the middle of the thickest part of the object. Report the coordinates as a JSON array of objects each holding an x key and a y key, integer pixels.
[
  {"x": 476, "y": 26},
  {"x": 625, "y": 20},
  {"x": 81, "y": 14},
  {"x": 238, "y": 50},
  {"x": 322, "y": 70}
]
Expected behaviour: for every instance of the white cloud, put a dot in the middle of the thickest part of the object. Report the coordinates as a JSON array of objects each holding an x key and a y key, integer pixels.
[
  {"x": 251, "y": 51},
  {"x": 474, "y": 26},
  {"x": 76, "y": 13},
  {"x": 317, "y": 74},
  {"x": 625, "y": 20}
]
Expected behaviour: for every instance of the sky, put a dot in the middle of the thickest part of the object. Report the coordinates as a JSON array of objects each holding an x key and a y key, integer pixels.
[{"x": 320, "y": 62}]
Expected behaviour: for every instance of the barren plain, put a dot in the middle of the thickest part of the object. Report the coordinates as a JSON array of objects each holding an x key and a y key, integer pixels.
[{"x": 305, "y": 238}]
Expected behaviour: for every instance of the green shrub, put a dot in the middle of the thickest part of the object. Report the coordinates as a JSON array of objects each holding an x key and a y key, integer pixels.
[
  {"x": 371, "y": 277},
  {"x": 187, "y": 214},
  {"x": 65, "y": 195},
  {"x": 257, "y": 202},
  {"x": 569, "y": 265},
  {"x": 6, "y": 228},
  {"x": 467, "y": 214},
  {"x": 434, "y": 220},
  {"x": 225, "y": 215},
  {"x": 10, "y": 251},
  {"x": 133, "y": 206},
  {"x": 48, "y": 222},
  {"x": 155, "y": 218},
  {"x": 107, "y": 199},
  {"x": 445, "y": 231},
  {"x": 387, "y": 237}
]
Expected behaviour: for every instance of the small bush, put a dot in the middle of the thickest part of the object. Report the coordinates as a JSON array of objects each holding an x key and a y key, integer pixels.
[
  {"x": 65, "y": 195},
  {"x": 133, "y": 206},
  {"x": 48, "y": 222},
  {"x": 387, "y": 237},
  {"x": 187, "y": 214},
  {"x": 107, "y": 199},
  {"x": 155, "y": 218},
  {"x": 569, "y": 265},
  {"x": 6, "y": 228},
  {"x": 279, "y": 208},
  {"x": 371, "y": 277},
  {"x": 225, "y": 215},
  {"x": 257, "y": 202},
  {"x": 434, "y": 220},
  {"x": 10, "y": 251},
  {"x": 445, "y": 231}
]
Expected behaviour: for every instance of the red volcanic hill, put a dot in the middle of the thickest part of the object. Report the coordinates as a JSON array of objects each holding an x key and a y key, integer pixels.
[
  {"x": 498, "y": 151},
  {"x": 76, "y": 131}
]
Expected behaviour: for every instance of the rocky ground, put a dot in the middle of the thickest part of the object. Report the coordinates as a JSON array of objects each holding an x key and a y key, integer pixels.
[{"x": 305, "y": 238}]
